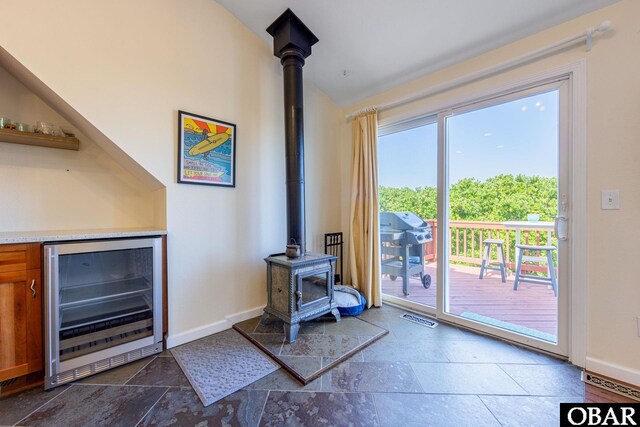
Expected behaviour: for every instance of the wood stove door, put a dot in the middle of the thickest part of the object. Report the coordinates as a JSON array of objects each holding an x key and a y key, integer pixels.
[{"x": 313, "y": 289}]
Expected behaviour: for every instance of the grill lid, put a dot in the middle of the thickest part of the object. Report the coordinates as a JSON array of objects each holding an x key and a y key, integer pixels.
[
  {"x": 404, "y": 228},
  {"x": 401, "y": 221}
]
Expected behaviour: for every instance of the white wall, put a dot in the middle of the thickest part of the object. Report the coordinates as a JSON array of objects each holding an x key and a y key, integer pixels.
[
  {"x": 127, "y": 67},
  {"x": 613, "y": 68},
  {"x": 50, "y": 189}
]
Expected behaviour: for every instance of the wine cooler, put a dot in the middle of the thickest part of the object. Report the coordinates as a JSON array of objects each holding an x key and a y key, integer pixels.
[{"x": 103, "y": 305}]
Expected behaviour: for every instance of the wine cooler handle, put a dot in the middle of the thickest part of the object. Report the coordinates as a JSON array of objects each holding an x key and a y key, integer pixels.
[
  {"x": 52, "y": 306},
  {"x": 32, "y": 287}
]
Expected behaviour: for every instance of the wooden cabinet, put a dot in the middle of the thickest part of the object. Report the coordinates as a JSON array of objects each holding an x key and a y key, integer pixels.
[{"x": 20, "y": 310}]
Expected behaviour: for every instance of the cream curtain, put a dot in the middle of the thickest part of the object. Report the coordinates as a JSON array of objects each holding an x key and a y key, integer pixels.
[{"x": 364, "y": 240}]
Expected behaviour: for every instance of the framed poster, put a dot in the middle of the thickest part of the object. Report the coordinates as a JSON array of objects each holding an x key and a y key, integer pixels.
[{"x": 206, "y": 151}]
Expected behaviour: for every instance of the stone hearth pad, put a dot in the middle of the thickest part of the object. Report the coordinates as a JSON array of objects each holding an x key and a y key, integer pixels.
[{"x": 321, "y": 344}]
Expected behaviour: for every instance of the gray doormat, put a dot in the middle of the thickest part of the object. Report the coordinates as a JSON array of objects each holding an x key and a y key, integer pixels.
[
  {"x": 221, "y": 364},
  {"x": 320, "y": 345}
]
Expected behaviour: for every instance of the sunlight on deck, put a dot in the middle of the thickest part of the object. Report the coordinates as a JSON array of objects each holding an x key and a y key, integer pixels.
[{"x": 532, "y": 306}]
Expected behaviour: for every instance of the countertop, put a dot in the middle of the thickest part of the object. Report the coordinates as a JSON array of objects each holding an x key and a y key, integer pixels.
[{"x": 62, "y": 235}]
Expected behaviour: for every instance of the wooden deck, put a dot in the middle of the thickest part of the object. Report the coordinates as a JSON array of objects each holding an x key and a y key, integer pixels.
[{"x": 532, "y": 305}]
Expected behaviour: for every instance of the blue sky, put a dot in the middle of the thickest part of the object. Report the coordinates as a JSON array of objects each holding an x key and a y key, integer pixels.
[{"x": 517, "y": 137}]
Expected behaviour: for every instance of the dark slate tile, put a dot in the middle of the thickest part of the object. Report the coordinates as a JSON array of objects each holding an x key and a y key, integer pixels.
[
  {"x": 282, "y": 380},
  {"x": 418, "y": 410},
  {"x": 315, "y": 327},
  {"x": 248, "y": 325},
  {"x": 371, "y": 377},
  {"x": 381, "y": 314},
  {"x": 405, "y": 330},
  {"x": 162, "y": 371},
  {"x": 319, "y": 409},
  {"x": 521, "y": 411},
  {"x": 393, "y": 350},
  {"x": 401, "y": 329},
  {"x": 119, "y": 375},
  {"x": 304, "y": 365},
  {"x": 352, "y": 326},
  {"x": 547, "y": 380},
  {"x": 465, "y": 378},
  {"x": 409, "y": 331},
  {"x": 271, "y": 342},
  {"x": 320, "y": 345},
  {"x": 492, "y": 351},
  {"x": 354, "y": 358},
  {"x": 16, "y": 407},
  {"x": 183, "y": 407},
  {"x": 92, "y": 405},
  {"x": 276, "y": 326}
]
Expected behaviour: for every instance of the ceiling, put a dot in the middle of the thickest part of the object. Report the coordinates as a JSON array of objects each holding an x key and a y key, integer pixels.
[{"x": 367, "y": 46}]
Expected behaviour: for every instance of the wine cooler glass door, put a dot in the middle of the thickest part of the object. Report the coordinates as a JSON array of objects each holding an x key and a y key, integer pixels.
[{"x": 103, "y": 297}]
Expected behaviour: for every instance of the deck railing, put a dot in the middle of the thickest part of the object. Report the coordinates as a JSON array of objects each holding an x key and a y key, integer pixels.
[{"x": 466, "y": 239}]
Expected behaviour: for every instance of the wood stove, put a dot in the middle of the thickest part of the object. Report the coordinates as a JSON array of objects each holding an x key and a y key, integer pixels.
[{"x": 298, "y": 288}]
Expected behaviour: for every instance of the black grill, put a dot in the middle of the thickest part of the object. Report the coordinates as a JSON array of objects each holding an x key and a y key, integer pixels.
[{"x": 402, "y": 236}]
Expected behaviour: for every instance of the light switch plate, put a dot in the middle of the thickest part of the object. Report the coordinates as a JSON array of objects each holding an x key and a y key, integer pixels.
[{"x": 610, "y": 199}]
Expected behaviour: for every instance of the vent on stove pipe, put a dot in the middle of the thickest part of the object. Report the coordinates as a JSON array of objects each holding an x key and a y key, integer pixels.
[{"x": 292, "y": 42}]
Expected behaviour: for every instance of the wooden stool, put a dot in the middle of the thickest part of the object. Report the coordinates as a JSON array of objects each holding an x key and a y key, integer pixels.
[
  {"x": 550, "y": 279},
  {"x": 486, "y": 257}
]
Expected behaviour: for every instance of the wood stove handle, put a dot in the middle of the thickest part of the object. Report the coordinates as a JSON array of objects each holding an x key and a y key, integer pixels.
[{"x": 299, "y": 294}]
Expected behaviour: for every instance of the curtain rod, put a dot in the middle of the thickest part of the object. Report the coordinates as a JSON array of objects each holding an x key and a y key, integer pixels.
[{"x": 588, "y": 35}]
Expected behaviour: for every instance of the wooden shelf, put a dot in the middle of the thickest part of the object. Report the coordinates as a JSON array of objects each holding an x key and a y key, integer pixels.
[{"x": 40, "y": 140}]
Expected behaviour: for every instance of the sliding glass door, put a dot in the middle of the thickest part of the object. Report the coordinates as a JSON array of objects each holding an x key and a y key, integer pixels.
[
  {"x": 408, "y": 176},
  {"x": 490, "y": 179},
  {"x": 505, "y": 169}
]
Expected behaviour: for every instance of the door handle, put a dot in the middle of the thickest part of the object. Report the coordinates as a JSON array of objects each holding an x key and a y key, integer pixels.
[
  {"x": 560, "y": 228},
  {"x": 32, "y": 287}
]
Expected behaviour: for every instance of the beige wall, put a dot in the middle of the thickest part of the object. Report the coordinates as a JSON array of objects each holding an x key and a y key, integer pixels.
[
  {"x": 613, "y": 132},
  {"x": 127, "y": 67},
  {"x": 49, "y": 189}
]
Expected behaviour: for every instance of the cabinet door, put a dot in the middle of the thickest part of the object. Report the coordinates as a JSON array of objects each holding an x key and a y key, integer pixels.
[
  {"x": 13, "y": 324},
  {"x": 20, "y": 310}
]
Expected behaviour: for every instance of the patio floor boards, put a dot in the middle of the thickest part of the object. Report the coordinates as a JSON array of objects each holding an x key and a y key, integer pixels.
[{"x": 532, "y": 305}]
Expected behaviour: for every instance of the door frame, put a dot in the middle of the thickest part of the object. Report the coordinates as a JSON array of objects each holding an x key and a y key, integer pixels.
[{"x": 576, "y": 75}]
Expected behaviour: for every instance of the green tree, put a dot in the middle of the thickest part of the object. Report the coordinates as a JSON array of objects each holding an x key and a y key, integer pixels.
[{"x": 499, "y": 198}]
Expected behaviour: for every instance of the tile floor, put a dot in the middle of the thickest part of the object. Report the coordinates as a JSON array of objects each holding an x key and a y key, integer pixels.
[{"x": 415, "y": 376}]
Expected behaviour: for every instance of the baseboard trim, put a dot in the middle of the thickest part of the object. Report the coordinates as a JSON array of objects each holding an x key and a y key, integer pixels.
[
  {"x": 613, "y": 371},
  {"x": 212, "y": 328}
]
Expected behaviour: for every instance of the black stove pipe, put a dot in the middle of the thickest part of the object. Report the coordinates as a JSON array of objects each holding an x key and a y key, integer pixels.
[
  {"x": 292, "y": 62},
  {"x": 292, "y": 42}
]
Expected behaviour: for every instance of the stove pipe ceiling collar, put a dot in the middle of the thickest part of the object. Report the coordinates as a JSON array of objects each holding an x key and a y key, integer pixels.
[{"x": 292, "y": 42}]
